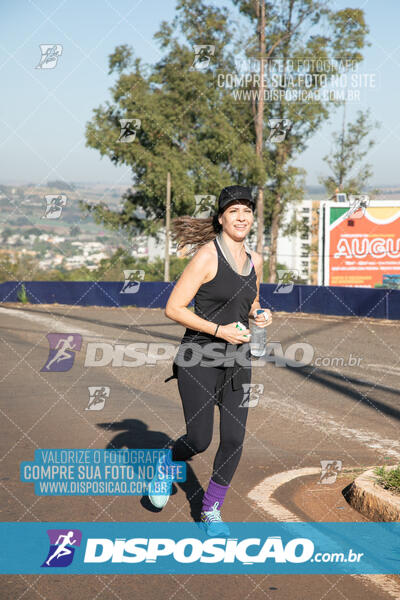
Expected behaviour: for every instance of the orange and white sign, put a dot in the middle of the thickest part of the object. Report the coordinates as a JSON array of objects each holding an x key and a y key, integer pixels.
[{"x": 360, "y": 249}]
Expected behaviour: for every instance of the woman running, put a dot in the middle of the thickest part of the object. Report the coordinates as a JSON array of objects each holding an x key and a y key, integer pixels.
[{"x": 224, "y": 281}]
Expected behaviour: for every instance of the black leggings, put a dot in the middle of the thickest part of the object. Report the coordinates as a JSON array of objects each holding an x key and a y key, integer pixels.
[{"x": 200, "y": 388}]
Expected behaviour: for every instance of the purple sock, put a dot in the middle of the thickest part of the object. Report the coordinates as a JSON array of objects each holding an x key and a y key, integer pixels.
[{"x": 215, "y": 493}]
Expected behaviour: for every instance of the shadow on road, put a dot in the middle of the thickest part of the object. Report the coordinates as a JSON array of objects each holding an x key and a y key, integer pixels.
[
  {"x": 135, "y": 434},
  {"x": 323, "y": 327},
  {"x": 346, "y": 386}
]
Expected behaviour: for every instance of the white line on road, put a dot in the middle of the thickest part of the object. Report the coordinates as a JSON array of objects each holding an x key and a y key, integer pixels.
[
  {"x": 262, "y": 494},
  {"x": 323, "y": 421},
  {"x": 53, "y": 324}
]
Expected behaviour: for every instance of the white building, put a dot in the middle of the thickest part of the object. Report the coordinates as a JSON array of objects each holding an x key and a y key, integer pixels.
[
  {"x": 96, "y": 257},
  {"x": 294, "y": 251},
  {"x": 149, "y": 247},
  {"x": 74, "y": 262}
]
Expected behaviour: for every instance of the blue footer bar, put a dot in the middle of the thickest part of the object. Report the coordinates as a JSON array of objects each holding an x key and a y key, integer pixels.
[{"x": 165, "y": 547}]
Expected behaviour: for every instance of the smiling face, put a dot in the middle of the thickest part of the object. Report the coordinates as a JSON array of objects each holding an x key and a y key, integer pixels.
[{"x": 237, "y": 219}]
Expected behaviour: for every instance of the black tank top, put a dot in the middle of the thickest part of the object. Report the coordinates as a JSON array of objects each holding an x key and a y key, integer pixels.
[{"x": 225, "y": 299}]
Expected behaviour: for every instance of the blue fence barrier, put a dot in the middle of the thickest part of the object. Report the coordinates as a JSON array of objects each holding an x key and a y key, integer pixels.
[{"x": 359, "y": 302}]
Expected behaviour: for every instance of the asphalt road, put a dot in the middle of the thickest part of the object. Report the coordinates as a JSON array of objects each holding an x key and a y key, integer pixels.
[{"x": 343, "y": 405}]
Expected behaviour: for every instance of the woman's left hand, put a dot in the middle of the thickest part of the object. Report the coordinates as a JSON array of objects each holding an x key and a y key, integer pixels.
[{"x": 263, "y": 319}]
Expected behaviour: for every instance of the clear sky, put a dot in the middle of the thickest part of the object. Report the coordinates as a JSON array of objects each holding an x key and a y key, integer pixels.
[{"x": 44, "y": 112}]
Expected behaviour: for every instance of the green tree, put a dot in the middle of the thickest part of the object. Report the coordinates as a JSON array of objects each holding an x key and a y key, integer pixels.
[
  {"x": 288, "y": 34},
  {"x": 25, "y": 267},
  {"x": 350, "y": 147},
  {"x": 189, "y": 124},
  {"x": 6, "y": 233}
]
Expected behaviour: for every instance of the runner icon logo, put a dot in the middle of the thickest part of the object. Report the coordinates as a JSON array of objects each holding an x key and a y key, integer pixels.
[
  {"x": 97, "y": 397},
  {"x": 286, "y": 279},
  {"x": 205, "y": 204},
  {"x": 54, "y": 206},
  {"x": 132, "y": 281},
  {"x": 202, "y": 56},
  {"x": 50, "y": 53},
  {"x": 358, "y": 206},
  {"x": 129, "y": 129},
  {"x": 62, "y": 351},
  {"x": 251, "y": 394},
  {"x": 330, "y": 470},
  {"x": 62, "y": 547},
  {"x": 279, "y": 128}
]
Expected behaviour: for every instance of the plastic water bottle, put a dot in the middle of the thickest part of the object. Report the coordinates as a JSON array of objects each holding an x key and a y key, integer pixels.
[{"x": 258, "y": 338}]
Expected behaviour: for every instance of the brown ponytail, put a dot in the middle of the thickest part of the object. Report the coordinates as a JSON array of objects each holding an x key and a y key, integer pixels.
[{"x": 191, "y": 233}]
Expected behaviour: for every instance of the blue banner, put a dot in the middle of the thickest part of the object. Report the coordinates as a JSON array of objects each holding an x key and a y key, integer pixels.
[
  {"x": 165, "y": 547},
  {"x": 326, "y": 300}
]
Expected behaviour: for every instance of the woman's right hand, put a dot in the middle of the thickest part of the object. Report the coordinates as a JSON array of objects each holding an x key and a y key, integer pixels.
[{"x": 230, "y": 333}]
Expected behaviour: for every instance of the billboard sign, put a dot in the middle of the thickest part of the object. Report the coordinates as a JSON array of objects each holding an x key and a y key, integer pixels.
[{"x": 362, "y": 249}]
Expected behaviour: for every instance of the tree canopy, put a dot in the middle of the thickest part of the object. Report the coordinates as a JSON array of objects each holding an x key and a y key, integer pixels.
[{"x": 186, "y": 119}]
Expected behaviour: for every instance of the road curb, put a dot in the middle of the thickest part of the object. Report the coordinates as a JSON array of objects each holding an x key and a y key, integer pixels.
[{"x": 372, "y": 500}]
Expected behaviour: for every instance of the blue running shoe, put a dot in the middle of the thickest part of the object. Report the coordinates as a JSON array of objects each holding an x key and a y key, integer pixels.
[
  {"x": 158, "y": 500},
  {"x": 212, "y": 523}
]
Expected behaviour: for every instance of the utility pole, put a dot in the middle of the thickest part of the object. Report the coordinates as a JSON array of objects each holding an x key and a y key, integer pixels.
[
  {"x": 167, "y": 227},
  {"x": 260, "y": 125},
  {"x": 342, "y": 141}
]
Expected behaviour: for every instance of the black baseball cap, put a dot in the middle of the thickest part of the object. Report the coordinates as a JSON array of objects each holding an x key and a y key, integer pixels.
[{"x": 232, "y": 193}]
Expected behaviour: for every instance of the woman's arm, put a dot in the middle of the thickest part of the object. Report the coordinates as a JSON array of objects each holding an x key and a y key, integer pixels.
[{"x": 193, "y": 276}]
